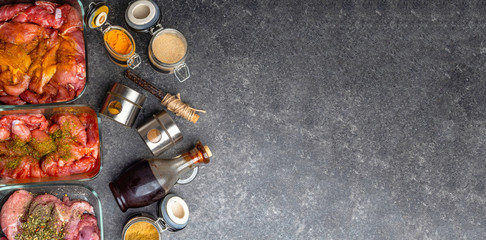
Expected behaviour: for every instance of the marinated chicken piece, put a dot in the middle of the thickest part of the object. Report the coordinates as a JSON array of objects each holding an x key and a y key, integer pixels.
[
  {"x": 42, "y": 142},
  {"x": 91, "y": 126},
  {"x": 15, "y": 58},
  {"x": 5, "y": 77},
  {"x": 83, "y": 165},
  {"x": 15, "y": 80},
  {"x": 44, "y": 66},
  {"x": 35, "y": 69},
  {"x": 76, "y": 39},
  {"x": 23, "y": 169},
  {"x": 20, "y": 129},
  {"x": 72, "y": 125},
  {"x": 53, "y": 128},
  {"x": 92, "y": 130},
  {"x": 35, "y": 170},
  {"x": 17, "y": 84},
  {"x": 4, "y": 134},
  {"x": 71, "y": 71},
  {"x": 19, "y": 33},
  {"x": 50, "y": 165}
]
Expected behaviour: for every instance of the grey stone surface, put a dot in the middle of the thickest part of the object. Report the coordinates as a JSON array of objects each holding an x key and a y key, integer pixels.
[{"x": 346, "y": 120}]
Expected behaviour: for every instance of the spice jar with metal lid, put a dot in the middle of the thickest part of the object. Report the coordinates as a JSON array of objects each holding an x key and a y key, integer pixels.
[
  {"x": 118, "y": 41},
  {"x": 160, "y": 133},
  {"x": 167, "y": 49},
  {"x": 172, "y": 215},
  {"x": 122, "y": 104}
]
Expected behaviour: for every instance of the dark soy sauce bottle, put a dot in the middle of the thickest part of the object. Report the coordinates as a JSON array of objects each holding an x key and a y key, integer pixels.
[{"x": 148, "y": 181}]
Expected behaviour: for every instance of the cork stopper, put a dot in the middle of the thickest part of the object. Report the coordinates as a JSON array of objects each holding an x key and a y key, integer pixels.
[
  {"x": 206, "y": 148},
  {"x": 194, "y": 118}
]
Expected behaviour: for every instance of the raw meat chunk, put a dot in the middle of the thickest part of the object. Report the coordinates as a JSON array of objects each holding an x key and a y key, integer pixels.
[
  {"x": 13, "y": 209},
  {"x": 71, "y": 19},
  {"x": 12, "y": 100},
  {"x": 41, "y": 16},
  {"x": 86, "y": 229},
  {"x": 8, "y": 12}
]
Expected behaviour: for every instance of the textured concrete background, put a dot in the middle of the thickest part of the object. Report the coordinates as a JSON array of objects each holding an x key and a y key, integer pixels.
[{"x": 347, "y": 120}]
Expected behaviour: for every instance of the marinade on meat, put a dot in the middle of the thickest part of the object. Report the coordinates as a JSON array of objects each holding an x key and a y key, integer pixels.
[
  {"x": 25, "y": 216},
  {"x": 32, "y": 146},
  {"x": 42, "y": 54}
]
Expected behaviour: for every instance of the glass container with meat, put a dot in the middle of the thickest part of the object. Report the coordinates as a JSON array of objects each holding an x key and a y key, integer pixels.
[
  {"x": 54, "y": 143},
  {"x": 42, "y": 52},
  {"x": 73, "y": 209}
]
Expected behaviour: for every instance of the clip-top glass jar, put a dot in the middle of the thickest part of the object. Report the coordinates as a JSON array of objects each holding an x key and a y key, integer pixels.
[
  {"x": 172, "y": 215},
  {"x": 168, "y": 47},
  {"x": 168, "y": 51},
  {"x": 121, "y": 53}
]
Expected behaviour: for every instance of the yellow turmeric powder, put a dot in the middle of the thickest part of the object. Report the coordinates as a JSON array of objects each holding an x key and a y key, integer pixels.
[
  {"x": 142, "y": 231},
  {"x": 118, "y": 41}
]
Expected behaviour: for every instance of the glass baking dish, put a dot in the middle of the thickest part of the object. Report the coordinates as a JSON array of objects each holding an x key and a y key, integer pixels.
[
  {"x": 48, "y": 111},
  {"x": 73, "y": 191},
  {"x": 78, "y": 6}
]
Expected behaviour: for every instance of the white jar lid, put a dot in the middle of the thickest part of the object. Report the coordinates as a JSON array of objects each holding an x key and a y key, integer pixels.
[
  {"x": 174, "y": 211},
  {"x": 142, "y": 14}
]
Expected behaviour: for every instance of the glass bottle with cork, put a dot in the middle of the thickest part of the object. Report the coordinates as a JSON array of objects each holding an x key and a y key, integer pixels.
[{"x": 148, "y": 181}]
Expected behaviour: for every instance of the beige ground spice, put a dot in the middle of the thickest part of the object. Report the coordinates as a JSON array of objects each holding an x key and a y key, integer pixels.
[{"x": 168, "y": 48}]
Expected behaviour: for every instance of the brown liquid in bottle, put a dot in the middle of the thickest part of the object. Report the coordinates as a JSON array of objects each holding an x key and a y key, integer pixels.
[
  {"x": 137, "y": 187},
  {"x": 146, "y": 182}
]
